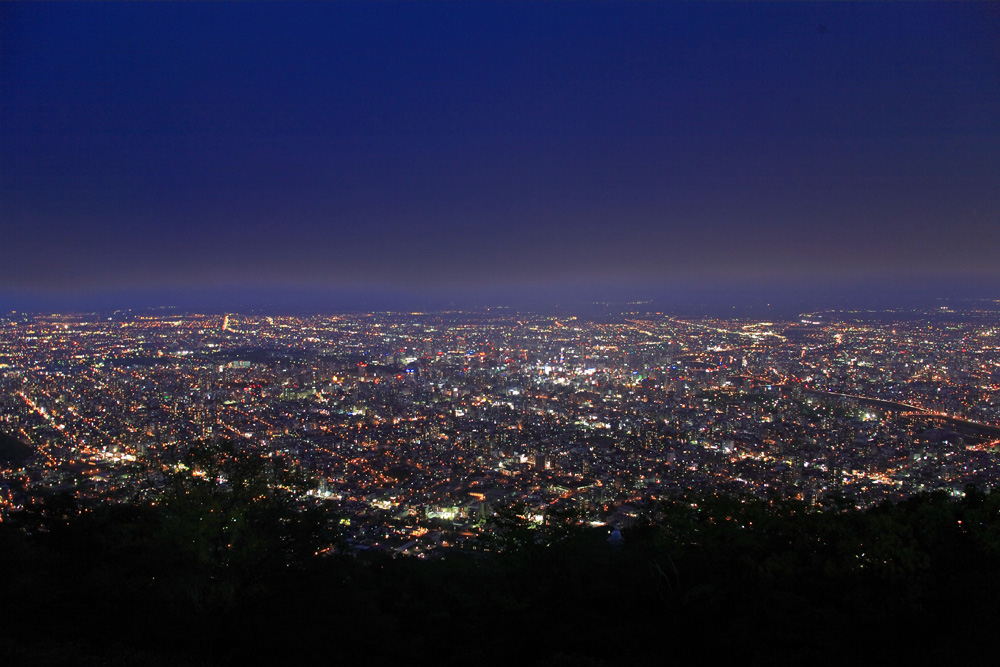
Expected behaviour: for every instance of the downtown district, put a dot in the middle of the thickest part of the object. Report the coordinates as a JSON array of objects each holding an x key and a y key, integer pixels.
[{"x": 418, "y": 427}]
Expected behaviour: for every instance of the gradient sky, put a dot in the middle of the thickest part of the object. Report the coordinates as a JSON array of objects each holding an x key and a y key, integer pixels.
[{"x": 227, "y": 149}]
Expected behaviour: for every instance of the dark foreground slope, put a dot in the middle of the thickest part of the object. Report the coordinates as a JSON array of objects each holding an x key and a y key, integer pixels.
[{"x": 753, "y": 582}]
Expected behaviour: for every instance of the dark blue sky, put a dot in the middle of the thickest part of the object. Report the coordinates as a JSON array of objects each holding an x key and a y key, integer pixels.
[{"x": 224, "y": 151}]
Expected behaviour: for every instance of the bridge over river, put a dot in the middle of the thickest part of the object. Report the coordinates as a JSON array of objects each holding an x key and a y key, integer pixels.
[{"x": 969, "y": 429}]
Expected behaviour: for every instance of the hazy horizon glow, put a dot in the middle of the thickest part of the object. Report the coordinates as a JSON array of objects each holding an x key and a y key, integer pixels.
[{"x": 427, "y": 150}]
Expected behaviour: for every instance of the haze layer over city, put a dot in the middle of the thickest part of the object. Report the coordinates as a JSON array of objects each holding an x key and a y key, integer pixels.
[{"x": 319, "y": 157}]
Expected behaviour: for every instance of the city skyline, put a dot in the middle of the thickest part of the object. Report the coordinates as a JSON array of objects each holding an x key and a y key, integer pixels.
[{"x": 354, "y": 155}]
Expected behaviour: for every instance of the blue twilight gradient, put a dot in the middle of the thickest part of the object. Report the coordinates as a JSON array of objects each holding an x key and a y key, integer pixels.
[{"x": 224, "y": 151}]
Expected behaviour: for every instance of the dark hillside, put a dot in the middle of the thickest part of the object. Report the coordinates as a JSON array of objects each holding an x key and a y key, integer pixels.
[{"x": 702, "y": 582}]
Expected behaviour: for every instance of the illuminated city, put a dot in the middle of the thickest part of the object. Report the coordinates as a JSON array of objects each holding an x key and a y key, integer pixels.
[
  {"x": 415, "y": 427},
  {"x": 502, "y": 334}
]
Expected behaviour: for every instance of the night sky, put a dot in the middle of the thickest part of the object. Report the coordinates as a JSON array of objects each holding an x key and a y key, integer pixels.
[{"x": 378, "y": 153}]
